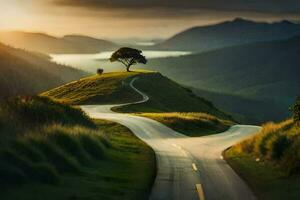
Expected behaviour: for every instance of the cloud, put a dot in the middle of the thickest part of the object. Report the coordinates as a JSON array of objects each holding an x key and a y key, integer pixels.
[{"x": 174, "y": 6}]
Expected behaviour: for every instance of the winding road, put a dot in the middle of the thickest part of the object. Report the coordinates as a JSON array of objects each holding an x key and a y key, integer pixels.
[{"x": 188, "y": 168}]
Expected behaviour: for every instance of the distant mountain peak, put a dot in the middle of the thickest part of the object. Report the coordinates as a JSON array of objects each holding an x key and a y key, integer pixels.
[
  {"x": 240, "y": 20},
  {"x": 287, "y": 22}
]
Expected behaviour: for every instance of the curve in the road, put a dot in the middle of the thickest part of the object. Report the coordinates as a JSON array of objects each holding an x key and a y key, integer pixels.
[{"x": 187, "y": 168}]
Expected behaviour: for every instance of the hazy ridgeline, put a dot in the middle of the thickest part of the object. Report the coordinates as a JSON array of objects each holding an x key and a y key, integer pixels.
[
  {"x": 229, "y": 33},
  {"x": 49, "y": 44},
  {"x": 23, "y": 72}
]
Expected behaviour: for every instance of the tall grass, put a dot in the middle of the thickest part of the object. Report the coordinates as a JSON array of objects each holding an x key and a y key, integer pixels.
[
  {"x": 43, "y": 154},
  {"x": 191, "y": 123},
  {"x": 41, "y": 139},
  {"x": 276, "y": 143},
  {"x": 25, "y": 112}
]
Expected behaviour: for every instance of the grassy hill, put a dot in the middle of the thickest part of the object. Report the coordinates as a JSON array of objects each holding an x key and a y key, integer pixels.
[
  {"x": 169, "y": 103},
  {"x": 23, "y": 72},
  {"x": 51, "y": 148},
  {"x": 44, "y": 43},
  {"x": 263, "y": 71},
  {"x": 109, "y": 88},
  {"x": 229, "y": 33},
  {"x": 270, "y": 161},
  {"x": 165, "y": 94},
  {"x": 168, "y": 96}
]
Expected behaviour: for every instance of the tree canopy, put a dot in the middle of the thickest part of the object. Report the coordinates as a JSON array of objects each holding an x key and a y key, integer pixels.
[{"x": 128, "y": 57}]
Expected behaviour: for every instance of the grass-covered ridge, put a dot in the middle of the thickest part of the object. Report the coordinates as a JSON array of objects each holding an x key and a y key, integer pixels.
[
  {"x": 168, "y": 96},
  {"x": 48, "y": 146},
  {"x": 169, "y": 103},
  {"x": 270, "y": 160},
  {"x": 189, "y": 123},
  {"x": 98, "y": 89}
]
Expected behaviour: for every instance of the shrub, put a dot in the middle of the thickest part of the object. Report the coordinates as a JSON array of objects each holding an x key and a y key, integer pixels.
[
  {"x": 276, "y": 143},
  {"x": 277, "y": 146},
  {"x": 296, "y": 110},
  {"x": 100, "y": 71},
  {"x": 291, "y": 158},
  {"x": 246, "y": 145}
]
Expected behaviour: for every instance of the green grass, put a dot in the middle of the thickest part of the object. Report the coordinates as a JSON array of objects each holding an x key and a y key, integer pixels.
[
  {"x": 168, "y": 96},
  {"x": 109, "y": 88},
  {"x": 51, "y": 148},
  {"x": 276, "y": 143},
  {"x": 19, "y": 114},
  {"x": 98, "y": 89},
  {"x": 191, "y": 124},
  {"x": 270, "y": 161},
  {"x": 126, "y": 172},
  {"x": 266, "y": 180}
]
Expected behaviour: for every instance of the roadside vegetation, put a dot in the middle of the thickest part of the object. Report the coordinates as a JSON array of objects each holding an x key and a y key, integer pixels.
[
  {"x": 189, "y": 123},
  {"x": 270, "y": 161},
  {"x": 51, "y": 148}
]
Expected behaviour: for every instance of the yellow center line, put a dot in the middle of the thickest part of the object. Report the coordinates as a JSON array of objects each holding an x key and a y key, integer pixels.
[
  {"x": 200, "y": 191},
  {"x": 194, "y": 166}
]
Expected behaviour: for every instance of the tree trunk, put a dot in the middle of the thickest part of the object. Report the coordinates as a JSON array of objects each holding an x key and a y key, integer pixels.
[{"x": 127, "y": 68}]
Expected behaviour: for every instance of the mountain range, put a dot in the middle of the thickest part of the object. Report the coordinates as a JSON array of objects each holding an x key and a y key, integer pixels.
[
  {"x": 229, "y": 33},
  {"x": 69, "y": 44}
]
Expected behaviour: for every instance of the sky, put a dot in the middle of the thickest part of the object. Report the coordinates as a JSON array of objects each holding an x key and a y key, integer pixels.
[{"x": 115, "y": 19}]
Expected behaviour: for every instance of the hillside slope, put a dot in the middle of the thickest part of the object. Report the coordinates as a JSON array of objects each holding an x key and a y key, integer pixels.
[
  {"x": 51, "y": 148},
  {"x": 23, "y": 72},
  {"x": 49, "y": 44},
  {"x": 109, "y": 88},
  {"x": 266, "y": 70},
  {"x": 229, "y": 33},
  {"x": 165, "y": 95}
]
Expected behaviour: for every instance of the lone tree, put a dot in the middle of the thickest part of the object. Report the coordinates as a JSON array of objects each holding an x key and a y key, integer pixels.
[
  {"x": 128, "y": 56},
  {"x": 296, "y": 110}
]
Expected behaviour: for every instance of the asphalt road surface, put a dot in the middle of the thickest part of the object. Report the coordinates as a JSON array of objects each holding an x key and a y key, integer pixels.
[{"x": 188, "y": 167}]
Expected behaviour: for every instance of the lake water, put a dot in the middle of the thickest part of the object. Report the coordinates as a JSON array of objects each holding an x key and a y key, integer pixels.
[{"x": 90, "y": 62}]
